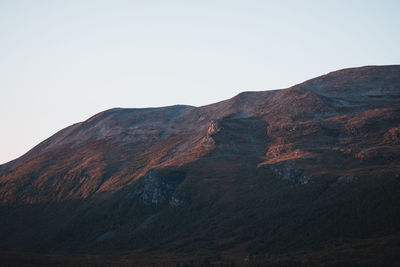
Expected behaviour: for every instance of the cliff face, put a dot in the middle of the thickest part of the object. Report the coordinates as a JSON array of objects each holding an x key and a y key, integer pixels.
[{"x": 299, "y": 156}]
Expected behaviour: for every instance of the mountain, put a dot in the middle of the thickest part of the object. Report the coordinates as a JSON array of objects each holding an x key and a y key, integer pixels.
[{"x": 311, "y": 169}]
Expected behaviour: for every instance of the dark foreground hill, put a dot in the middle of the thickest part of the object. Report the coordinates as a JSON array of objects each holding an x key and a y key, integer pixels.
[{"x": 301, "y": 176}]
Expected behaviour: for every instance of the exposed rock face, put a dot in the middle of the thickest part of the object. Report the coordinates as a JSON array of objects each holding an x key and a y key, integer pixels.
[
  {"x": 347, "y": 179},
  {"x": 175, "y": 201},
  {"x": 393, "y": 135},
  {"x": 159, "y": 188},
  {"x": 288, "y": 172},
  {"x": 213, "y": 129},
  {"x": 215, "y": 177}
]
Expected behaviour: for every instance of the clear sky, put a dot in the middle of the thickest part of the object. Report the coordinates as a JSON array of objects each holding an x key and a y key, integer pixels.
[{"x": 63, "y": 61}]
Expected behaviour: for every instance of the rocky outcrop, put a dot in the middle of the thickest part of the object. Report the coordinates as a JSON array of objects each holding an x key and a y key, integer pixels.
[
  {"x": 348, "y": 179},
  {"x": 393, "y": 135},
  {"x": 288, "y": 172},
  {"x": 175, "y": 201},
  {"x": 212, "y": 129},
  {"x": 159, "y": 186}
]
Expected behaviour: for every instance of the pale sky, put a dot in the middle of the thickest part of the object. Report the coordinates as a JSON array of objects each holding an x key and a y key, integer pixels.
[{"x": 64, "y": 61}]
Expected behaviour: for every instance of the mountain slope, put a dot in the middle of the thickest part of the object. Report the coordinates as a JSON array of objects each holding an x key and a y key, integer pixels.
[{"x": 263, "y": 172}]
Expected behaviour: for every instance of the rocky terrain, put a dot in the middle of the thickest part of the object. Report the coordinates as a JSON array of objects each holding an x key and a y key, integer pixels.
[{"x": 242, "y": 181}]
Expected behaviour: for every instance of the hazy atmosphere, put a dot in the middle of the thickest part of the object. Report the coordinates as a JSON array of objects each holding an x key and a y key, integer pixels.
[{"x": 63, "y": 61}]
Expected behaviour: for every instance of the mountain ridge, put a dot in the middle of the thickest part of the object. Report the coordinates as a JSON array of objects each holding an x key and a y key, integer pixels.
[{"x": 312, "y": 80}]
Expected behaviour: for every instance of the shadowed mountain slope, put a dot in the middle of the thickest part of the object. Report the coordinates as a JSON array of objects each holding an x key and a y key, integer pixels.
[{"x": 262, "y": 173}]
